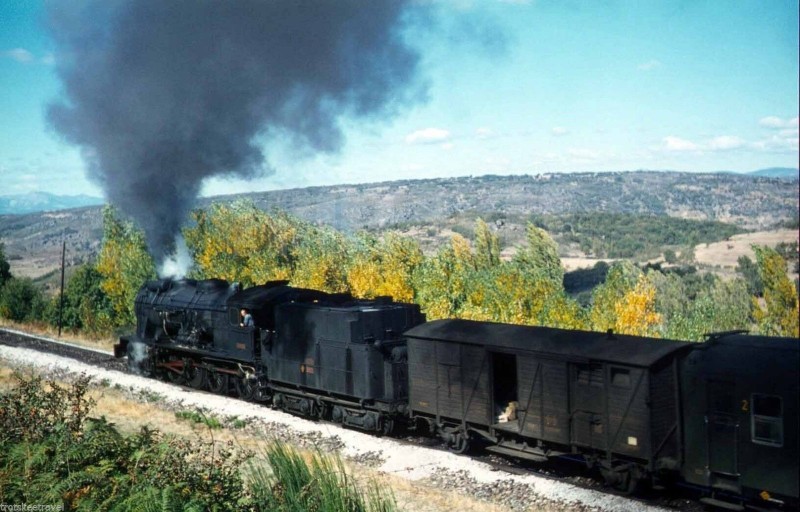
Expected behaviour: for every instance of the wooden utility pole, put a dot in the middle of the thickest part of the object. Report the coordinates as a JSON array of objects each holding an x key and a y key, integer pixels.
[{"x": 61, "y": 301}]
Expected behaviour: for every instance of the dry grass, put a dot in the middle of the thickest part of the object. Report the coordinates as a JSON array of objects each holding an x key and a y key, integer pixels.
[
  {"x": 40, "y": 329},
  {"x": 726, "y": 253}
]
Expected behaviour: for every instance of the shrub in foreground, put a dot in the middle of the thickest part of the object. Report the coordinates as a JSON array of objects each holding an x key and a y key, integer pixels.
[{"x": 53, "y": 453}]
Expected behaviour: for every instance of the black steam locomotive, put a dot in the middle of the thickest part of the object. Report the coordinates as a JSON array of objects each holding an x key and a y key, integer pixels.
[{"x": 720, "y": 415}]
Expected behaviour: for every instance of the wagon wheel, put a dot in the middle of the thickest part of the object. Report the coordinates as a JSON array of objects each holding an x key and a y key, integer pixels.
[
  {"x": 218, "y": 382},
  {"x": 460, "y": 443},
  {"x": 246, "y": 388},
  {"x": 196, "y": 377}
]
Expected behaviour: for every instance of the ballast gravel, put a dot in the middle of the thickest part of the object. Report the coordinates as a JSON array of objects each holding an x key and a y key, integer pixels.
[{"x": 416, "y": 463}]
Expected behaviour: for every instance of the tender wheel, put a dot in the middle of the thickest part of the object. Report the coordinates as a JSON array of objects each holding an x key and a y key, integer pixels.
[
  {"x": 387, "y": 426},
  {"x": 246, "y": 388},
  {"x": 196, "y": 377},
  {"x": 218, "y": 383}
]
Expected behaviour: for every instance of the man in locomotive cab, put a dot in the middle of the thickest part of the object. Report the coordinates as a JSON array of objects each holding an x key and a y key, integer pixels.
[{"x": 247, "y": 319}]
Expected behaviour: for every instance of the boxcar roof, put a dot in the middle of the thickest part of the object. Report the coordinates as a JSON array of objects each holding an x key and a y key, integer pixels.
[{"x": 570, "y": 344}]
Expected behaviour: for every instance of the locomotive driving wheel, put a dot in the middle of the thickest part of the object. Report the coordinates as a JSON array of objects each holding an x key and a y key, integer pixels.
[
  {"x": 218, "y": 382},
  {"x": 196, "y": 376},
  {"x": 246, "y": 388},
  {"x": 174, "y": 372}
]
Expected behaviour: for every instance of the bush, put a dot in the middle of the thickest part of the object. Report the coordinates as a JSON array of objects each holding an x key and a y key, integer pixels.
[
  {"x": 53, "y": 453},
  {"x": 21, "y": 300}
]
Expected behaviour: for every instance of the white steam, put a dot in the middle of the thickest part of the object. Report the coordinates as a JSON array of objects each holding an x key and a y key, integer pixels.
[{"x": 177, "y": 264}]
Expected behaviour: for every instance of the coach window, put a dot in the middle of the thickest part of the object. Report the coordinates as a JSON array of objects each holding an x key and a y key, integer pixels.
[{"x": 766, "y": 420}]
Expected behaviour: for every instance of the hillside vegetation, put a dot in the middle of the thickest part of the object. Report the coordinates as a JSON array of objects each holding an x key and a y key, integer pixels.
[
  {"x": 462, "y": 279},
  {"x": 611, "y": 235},
  {"x": 431, "y": 210}
]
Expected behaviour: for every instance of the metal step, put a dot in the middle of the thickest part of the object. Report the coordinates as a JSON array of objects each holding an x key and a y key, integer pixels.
[{"x": 727, "y": 505}]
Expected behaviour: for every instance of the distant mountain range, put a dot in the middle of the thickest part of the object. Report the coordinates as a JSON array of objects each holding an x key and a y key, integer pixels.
[
  {"x": 432, "y": 210},
  {"x": 43, "y": 202},
  {"x": 777, "y": 172},
  {"x": 35, "y": 202}
]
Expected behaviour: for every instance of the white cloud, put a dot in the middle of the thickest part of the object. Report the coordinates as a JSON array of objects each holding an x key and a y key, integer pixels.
[
  {"x": 559, "y": 131},
  {"x": 484, "y": 132},
  {"x": 725, "y": 142},
  {"x": 777, "y": 123},
  {"x": 649, "y": 65},
  {"x": 447, "y": 146},
  {"x": 778, "y": 144},
  {"x": 19, "y": 55},
  {"x": 49, "y": 59},
  {"x": 427, "y": 136},
  {"x": 672, "y": 143}
]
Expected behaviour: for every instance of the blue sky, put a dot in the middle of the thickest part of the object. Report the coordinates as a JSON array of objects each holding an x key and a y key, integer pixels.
[{"x": 573, "y": 86}]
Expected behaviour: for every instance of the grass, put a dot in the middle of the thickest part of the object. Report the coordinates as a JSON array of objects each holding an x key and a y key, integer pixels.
[
  {"x": 199, "y": 417},
  {"x": 41, "y": 329}
]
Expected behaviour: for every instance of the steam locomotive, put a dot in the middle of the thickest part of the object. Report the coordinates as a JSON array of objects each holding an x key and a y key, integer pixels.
[{"x": 720, "y": 415}]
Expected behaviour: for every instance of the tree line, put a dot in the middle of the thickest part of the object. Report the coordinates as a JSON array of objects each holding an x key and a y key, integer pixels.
[{"x": 463, "y": 279}]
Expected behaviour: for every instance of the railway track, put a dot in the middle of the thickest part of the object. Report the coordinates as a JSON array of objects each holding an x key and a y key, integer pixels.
[{"x": 566, "y": 471}]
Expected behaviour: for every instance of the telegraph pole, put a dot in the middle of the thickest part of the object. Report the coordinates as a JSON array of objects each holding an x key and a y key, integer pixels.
[{"x": 61, "y": 301}]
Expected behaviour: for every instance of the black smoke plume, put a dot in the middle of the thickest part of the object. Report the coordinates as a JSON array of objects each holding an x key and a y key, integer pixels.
[{"x": 161, "y": 94}]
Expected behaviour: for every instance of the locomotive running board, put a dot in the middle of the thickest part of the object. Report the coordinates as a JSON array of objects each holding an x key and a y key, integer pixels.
[{"x": 512, "y": 452}]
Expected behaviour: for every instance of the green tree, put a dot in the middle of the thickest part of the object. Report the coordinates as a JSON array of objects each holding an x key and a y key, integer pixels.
[
  {"x": 86, "y": 306},
  {"x": 749, "y": 271},
  {"x": 540, "y": 256},
  {"x": 5, "y": 268},
  {"x": 21, "y": 300},
  {"x": 487, "y": 246}
]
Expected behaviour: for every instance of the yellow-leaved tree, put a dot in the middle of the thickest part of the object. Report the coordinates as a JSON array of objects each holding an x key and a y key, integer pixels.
[
  {"x": 777, "y": 313},
  {"x": 620, "y": 280},
  {"x": 124, "y": 265},
  {"x": 635, "y": 311},
  {"x": 385, "y": 266},
  {"x": 239, "y": 242},
  {"x": 321, "y": 258},
  {"x": 440, "y": 282}
]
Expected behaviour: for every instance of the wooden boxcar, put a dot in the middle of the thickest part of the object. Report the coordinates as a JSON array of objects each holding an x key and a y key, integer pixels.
[{"x": 612, "y": 398}]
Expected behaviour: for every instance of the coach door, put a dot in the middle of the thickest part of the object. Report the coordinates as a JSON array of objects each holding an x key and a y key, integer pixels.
[{"x": 723, "y": 428}]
